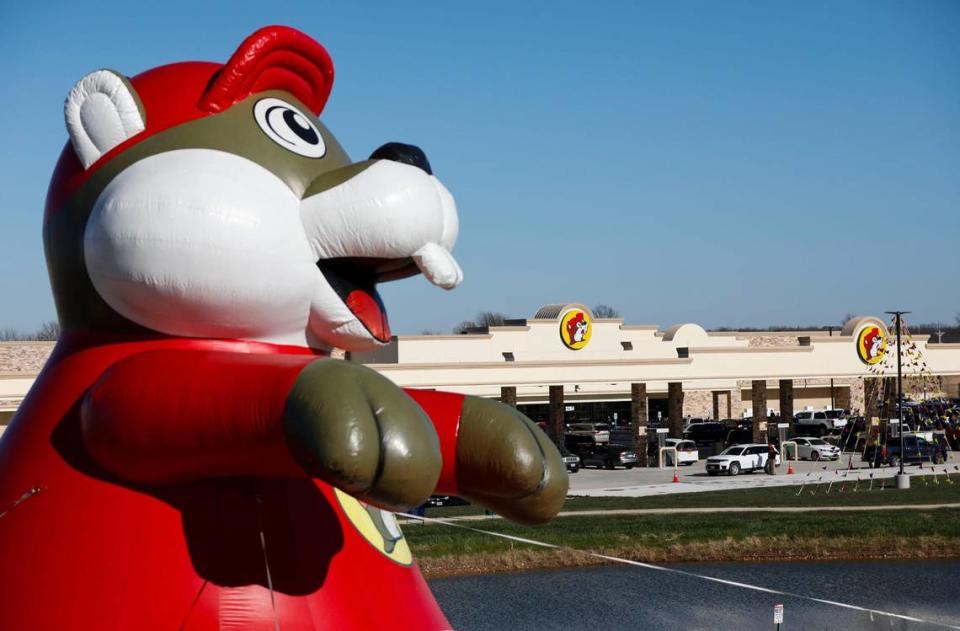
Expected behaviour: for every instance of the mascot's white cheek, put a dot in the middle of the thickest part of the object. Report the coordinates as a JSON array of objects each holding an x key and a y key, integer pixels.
[{"x": 202, "y": 243}]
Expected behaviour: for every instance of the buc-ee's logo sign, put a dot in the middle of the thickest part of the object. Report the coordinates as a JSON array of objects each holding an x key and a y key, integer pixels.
[
  {"x": 871, "y": 344},
  {"x": 575, "y": 329}
]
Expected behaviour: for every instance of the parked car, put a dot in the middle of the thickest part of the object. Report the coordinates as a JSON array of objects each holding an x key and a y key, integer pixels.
[
  {"x": 733, "y": 460},
  {"x": 578, "y": 443},
  {"x": 810, "y": 448},
  {"x": 916, "y": 450},
  {"x": 816, "y": 423},
  {"x": 687, "y": 422},
  {"x": 738, "y": 437},
  {"x": 570, "y": 459},
  {"x": 445, "y": 500},
  {"x": 853, "y": 435},
  {"x": 687, "y": 453},
  {"x": 609, "y": 456},
  {"x": 743, "y": 434},
  {"x": 705, "y": 433},
  {"x": 599, "y": 431}
]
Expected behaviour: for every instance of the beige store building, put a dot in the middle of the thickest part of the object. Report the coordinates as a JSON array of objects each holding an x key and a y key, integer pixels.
[
  {"x": 564, "y": 365},
  {"x": 628, "y": 371}
]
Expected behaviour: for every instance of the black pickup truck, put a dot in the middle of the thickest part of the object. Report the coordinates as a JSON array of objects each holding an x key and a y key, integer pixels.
[{"x": 916, "y": 450}]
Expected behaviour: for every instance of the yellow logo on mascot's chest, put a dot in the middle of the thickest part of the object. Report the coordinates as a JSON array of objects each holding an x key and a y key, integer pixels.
[
  {"x": 576, "y": 327},
  {"x": 871, "y": 344},
  {"x": 378, "y": 527}
]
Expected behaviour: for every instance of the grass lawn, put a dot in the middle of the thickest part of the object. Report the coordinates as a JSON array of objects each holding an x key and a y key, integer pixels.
[
  {"x": 612, "y": 531},
  {"x": 921, "y": 491},
  {"x": 444, "y": 550}
]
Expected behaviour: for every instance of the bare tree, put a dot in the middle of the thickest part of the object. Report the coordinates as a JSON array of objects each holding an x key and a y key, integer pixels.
[
  {"x": 484, "y": 318},
  {"x": 48, "y": 332},
  {"x": 605, "y": 311}
]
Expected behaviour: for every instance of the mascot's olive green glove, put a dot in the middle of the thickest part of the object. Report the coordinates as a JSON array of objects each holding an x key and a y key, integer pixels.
[
  {"x": 355, "y": 429},
  {"x": 507, "y": 463}
]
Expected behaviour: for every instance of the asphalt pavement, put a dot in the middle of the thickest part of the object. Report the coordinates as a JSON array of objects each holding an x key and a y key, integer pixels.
[{"x": 694, "y": 478}]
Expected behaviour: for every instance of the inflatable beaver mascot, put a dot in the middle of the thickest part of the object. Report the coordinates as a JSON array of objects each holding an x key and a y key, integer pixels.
[{"x": 190, "y": 457}]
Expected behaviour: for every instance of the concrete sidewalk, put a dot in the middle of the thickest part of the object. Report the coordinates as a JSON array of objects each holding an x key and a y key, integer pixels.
[
  {"x": 726, "y": 509},
  {"x": 693, "y": 479}
]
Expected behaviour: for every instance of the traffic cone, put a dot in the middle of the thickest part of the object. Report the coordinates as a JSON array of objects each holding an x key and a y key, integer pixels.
[
  {"x": 676, "y": 477},
  {"x": 789, "y": 468}
]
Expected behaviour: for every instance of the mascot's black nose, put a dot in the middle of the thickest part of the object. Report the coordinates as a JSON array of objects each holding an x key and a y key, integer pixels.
[{"x": 399, "y": 152}]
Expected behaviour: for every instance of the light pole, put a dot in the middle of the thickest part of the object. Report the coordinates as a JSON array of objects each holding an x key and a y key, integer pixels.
[{"x": 903, "y": 482}]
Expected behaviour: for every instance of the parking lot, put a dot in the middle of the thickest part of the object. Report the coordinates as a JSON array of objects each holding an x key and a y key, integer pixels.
[{"x": 642, "y": 482}]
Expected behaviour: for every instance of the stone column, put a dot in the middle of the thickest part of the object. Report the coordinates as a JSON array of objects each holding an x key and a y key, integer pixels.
[
  {"x": 843, "y": 397},
  {"x": 729, "y": 403},
  {"x": 871, "y": 396},
  {"x": 675, "y": 408},
  {"x": 638, "y": 419},
  {"x": 508, "y": 395},
  {"x": 759, "y": 392},
  {"x": 786, "y": 400},
  {"x": 716, "y": 405},
  {"x": 555, "y": 427}
]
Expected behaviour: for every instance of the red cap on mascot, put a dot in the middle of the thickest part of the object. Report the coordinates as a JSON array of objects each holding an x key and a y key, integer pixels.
[{"x": 273, "y": 58}]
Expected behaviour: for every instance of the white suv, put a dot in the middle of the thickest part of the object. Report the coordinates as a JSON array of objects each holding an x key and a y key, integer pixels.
[{"x": 739, "y": 458}]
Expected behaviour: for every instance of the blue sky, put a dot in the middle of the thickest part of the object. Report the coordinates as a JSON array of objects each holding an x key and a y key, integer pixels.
[{"x": 734, "y": 163}]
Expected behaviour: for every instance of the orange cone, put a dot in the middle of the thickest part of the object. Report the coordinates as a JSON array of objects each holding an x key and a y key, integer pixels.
[
  {"x": 676, "y": 478},
  {"x": 789, "y": 468}
]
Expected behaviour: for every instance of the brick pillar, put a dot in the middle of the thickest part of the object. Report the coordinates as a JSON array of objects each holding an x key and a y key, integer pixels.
[
  {"x": 786, "y": 400},
  {"x": 716, "y": 405},
  {"x": 842, "y": 396},
  {"x": 729, "y": 403},
  {"x": 556, "y": 428},
  {"x": 759, "y": 392},
  {"x": 638, "y": 419},
  {"x": 871, "y": 396},
  {"x": 675, "y": 408},
  {"x": 508, "y": 395}
]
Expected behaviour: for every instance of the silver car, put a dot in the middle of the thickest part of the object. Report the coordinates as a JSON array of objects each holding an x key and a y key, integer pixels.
[{"x": 809, "y": 448}]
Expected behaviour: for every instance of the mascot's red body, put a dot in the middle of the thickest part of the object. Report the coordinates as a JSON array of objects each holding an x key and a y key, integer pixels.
[
  {"x": 85, "y": 552},
  {"x": 169, "y": 469}
]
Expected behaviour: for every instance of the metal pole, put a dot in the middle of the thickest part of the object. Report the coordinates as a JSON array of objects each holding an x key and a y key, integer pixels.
[
  {"x": 898, "y": 315},
  {"x": 900, "y": 392}
]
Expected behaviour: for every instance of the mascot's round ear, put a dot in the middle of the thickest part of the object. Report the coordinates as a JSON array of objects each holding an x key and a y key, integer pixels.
[
  {"x": 101, "y": 111},
  {"x": 273, "y": 58}
]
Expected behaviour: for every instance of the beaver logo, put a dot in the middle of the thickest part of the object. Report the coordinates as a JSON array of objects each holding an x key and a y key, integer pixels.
[
  {"x": 378, "y": 527},
  {"x": 575, "y": 329},
  {"x": 871, "y": 345}
]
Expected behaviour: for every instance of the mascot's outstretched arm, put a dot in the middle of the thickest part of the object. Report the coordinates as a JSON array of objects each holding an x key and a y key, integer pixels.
[
  {"x": 203, "y": 414},
  {"x": 206, "y": 413}
]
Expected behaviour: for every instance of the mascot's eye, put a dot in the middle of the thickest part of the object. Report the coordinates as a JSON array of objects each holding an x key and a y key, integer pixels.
[{"x": 289, "y": 128}]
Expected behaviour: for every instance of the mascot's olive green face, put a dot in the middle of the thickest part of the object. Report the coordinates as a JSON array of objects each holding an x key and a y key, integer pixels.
[{"x": 251, "y": 223}]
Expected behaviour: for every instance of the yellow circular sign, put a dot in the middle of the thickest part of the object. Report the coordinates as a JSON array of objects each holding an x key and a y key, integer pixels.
[
  {"x": 871, "y": 344},
  {"x": 377, "y": 526},
  {"x": 576, "y": 327}
]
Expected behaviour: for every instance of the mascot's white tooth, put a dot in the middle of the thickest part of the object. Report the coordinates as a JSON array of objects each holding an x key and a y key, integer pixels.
[{"x": 438, "y": 265}]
